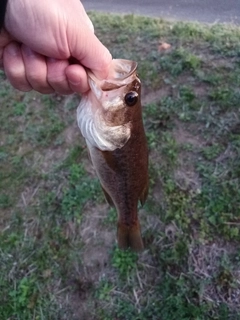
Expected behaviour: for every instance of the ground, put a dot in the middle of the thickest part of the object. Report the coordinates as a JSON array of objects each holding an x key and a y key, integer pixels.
[{"x": 58, "y": 255}]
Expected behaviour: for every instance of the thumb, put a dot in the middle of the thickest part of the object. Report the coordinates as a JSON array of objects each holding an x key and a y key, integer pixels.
[
  {"x": 88, "y": 49},
  {"x": 97, "y": 58},
  {"x": 92, "y": 54}
]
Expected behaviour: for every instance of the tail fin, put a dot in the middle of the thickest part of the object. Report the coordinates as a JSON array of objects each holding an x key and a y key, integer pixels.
[{"x": 129, "y": 237}]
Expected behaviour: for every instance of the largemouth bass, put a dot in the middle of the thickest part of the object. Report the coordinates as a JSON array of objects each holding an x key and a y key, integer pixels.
[{"x": 110, "y": 119}]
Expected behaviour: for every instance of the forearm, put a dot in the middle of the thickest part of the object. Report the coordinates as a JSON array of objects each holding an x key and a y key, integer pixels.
[{"x": 3, "y": 6}]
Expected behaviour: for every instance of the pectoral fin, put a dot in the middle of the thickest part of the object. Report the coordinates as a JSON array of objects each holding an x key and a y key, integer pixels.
[
  {"x": 144, "y": 194},
  {"x": 108, "y": 198}
]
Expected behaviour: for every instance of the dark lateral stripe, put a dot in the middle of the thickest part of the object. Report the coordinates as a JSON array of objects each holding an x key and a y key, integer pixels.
[{"x": 3, "y": 5}]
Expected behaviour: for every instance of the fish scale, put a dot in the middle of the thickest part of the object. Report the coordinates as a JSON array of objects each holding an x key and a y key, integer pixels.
[{"x": 117, "y": 145}]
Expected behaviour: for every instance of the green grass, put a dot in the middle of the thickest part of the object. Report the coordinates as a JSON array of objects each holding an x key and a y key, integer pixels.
[{"x": 58, "y": 255}]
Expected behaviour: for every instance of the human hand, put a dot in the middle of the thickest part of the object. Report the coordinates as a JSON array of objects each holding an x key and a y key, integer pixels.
[{"x": 38, "y": 40}]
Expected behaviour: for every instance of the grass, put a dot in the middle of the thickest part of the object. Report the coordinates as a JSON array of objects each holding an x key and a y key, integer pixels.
[{"x": 58, "y": 255}]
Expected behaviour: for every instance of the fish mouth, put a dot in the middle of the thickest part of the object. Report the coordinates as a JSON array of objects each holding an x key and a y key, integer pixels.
[
  {"x": 121, "y": 73},
  {"x": 122, "y": 69}
]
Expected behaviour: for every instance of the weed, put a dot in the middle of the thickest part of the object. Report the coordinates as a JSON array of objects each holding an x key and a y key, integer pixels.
[
  {"x": 124, "y": 261},
  {"x": 187, "y": 94},
  {"x": 19, "y": 108},
  {"x": 211, "y": 152},
  {"x": 104, "y": 290},
  {"x": 5, "y": 201},
  {"x": 179, "y": 61},
  {"x": 111, "y": 216},
  {"x": 81, "y": 189}
]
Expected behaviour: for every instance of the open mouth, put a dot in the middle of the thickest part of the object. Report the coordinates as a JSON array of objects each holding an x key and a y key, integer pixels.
[{"x": 119, "y": 75}]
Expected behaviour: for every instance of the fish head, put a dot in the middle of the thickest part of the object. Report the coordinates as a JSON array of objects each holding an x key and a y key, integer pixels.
[
  {"x": 107, "y": 112},
  {"x": 119, "y": 95}
]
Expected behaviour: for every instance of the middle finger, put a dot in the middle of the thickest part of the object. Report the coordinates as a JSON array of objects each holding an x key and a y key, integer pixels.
[{"x": 36, "y": 70}]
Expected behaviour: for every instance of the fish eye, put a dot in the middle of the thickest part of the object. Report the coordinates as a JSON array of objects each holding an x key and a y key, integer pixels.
[{"x": 131, "y": 98}]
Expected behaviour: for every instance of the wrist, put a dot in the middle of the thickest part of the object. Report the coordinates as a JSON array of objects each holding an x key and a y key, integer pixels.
[{"x": 3, "y": 7}]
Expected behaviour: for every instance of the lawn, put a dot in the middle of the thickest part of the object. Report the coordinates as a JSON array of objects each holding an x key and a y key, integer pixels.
[{"x": 58, "y": 253}]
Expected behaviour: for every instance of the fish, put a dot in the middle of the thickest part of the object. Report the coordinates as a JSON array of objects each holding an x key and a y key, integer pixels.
[{"x": 110, "y": 119}]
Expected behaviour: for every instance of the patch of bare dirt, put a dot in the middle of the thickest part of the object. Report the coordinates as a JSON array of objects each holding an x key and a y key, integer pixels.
[
  {"x": 185, "y": 175},
  {"x": 5, "y": 215},
  {"x": 48, "y": 158},
  {"x": 205, "y": 261},
  {"x": 200, "y": 90},
  {"x": 187, "y": 179},
  {"x": 155, "y": 96},
  {"x": 183, "y": 136},
  {"x": 44, "y": 160},
  {"x": 72, "y": 134},
  {"x": 98, "y": 240}
]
